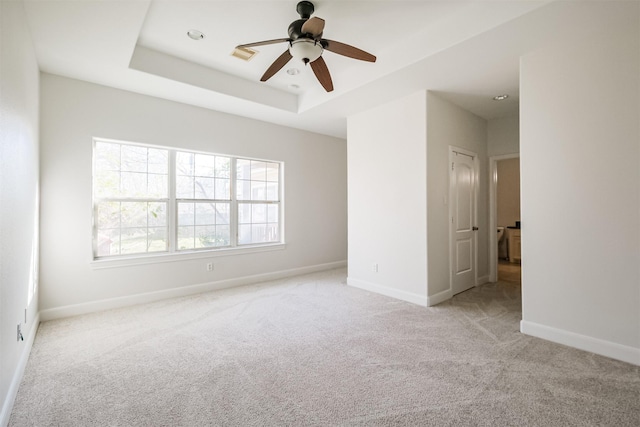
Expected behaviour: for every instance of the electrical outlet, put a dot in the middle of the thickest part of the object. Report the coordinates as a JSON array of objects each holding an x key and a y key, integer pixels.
[
  {"x": 375, "y": 268},
  {"x": 209, "y": 266}
]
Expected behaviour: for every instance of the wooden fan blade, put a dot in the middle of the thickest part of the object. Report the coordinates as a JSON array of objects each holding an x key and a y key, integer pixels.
[
  {"x": 347, "y": 50},
  {"x": 276, "y": 66},
  {"x": 262, "y": 43},
  {"x": 321, "y": 71},
  {"x": 313, "y": 26}
]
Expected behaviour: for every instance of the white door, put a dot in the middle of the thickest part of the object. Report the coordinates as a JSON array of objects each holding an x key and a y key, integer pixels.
[{"x": 463, "y": 220}]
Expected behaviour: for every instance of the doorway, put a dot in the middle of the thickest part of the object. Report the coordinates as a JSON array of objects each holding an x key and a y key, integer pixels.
[
  {"x": 463, "y": 197},
  {"x": 504, "y": 218}
]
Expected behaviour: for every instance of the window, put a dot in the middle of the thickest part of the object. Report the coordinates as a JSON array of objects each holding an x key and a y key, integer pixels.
[
  {"x": 149, "y": 199},
  {"x": 257, "y": 195},
  {"x": 204, "y": 199},
  {"x": 130, "y": 197}
]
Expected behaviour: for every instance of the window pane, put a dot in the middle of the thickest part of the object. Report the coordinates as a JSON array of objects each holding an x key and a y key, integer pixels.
[
  {"x": 258, "y": 213},
  {"x": 205, "y": 214},
  {"x": 243, "y": 190},
  {"x": 243, "y": 169},
  {"x": 222, "y": 213},
  {"x": 273, "y": 172},
  {"x": 106, "y": 184},
  {"x": 244, "y": 234},
  {"x": 134, "y": 184},
  {"x": 273, "y": 232},
  {"x": 205, "y": 188},
  {"x": 186, "y": 213},
  {"x": 185, "y": 238},
  {"x": 108, "y": 242},
  {"x": 184, "y": 187},
  {"x": 258, "y": 190},
  {"x": 133, "y": 240},
  {"x": 272, "y": 191},
  {"x": 108, "y": 215},
  {"x": 158, "y": 239},
  {"x": 258, "y": 171},
  {"x": 184, "y": 163},
  {"x": 244, "y": 213},
  {"x": 133, "y": 159},
  {"x": 133, "y": 214},
  {"x": 222, "y": 189},
  {"x": 107, "y": 156},
  {"x": 158, "y": 186},
  {"x": 223, "y": 167},
  {"x": 272, "y": 213},
  {"x": 157, "y": 215},
  {"x": 258, "y": 223},
  {"x": 204, "y": 165},
  {"x": 258, "y": 233},
  {"x": 223, "y": 234},
  {"x": 158, "y": 161},
  {"x": 205, "y": 236}
]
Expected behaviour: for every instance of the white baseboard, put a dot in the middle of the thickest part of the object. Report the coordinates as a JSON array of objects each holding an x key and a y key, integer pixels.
[
  {"x": 582, "y": 342},
  {"x": 439, "y": 297},
  {"x": 7, "y": 405},
  {"x": 111, "y": 303},
  {"x": 390, "y": 292}
]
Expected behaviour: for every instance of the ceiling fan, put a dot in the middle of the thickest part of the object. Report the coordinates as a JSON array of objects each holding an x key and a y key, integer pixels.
[{"x": 306, "y": 44}]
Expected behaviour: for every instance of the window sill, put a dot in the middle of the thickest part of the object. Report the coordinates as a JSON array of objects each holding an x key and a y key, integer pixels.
[{"x": 98, "y": 264}]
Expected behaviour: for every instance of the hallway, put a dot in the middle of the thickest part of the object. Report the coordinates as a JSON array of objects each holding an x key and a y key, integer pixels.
[{"x": 509, "y": 272}]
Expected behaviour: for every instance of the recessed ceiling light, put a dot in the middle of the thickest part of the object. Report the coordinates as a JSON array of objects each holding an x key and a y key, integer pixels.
[
  {"x": 195, "y": 34},
  {"x": 500, "y": 97},
  {"x": 293, "y": 71}
]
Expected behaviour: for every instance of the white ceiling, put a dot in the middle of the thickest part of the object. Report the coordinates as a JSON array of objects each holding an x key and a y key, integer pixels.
[{"x": 468, "y": 51}]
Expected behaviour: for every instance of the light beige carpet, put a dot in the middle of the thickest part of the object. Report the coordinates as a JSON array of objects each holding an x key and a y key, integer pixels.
[{"x": 311, "y": 351}]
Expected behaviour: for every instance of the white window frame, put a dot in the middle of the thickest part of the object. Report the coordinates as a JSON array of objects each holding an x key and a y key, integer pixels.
[{"x": 173, "y": 253}]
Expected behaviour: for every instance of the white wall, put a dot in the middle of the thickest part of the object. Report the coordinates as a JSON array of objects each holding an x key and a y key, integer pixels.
[
  {"x": 580, "y": 163},
  {"x": 503, "y": 136},
  {"x": 73, "y": 112},
  {"x": 18, "y": 196},
  {"x": 448, "y": 124},
  {"x": 398, "y": 180},
  {"x": 387, "y": 198}
]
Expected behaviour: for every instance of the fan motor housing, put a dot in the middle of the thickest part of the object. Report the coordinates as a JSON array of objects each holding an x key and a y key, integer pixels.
[
  {"x": 295, "y": 29},
  {"x": 305, "y": 9}
]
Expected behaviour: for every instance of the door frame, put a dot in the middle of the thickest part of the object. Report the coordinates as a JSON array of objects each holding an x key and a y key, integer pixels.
[
  {"x": 453, "y": 150},
  {"x": 493, "y": 212}
]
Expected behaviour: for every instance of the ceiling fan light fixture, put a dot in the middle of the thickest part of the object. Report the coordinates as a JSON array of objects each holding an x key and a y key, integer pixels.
[
  {"x": 195, "y": 34},
  {"x": 307, "y": 45},
  {"x": 305, "y": 50}
]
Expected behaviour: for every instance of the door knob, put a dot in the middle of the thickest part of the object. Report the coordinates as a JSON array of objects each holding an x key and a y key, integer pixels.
[{"x": 475, "y": 228}]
